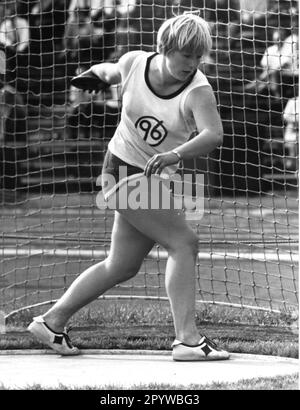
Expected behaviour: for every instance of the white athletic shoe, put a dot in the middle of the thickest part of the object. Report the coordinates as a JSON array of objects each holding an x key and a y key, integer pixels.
[
  {"x": 60, "y": 342},
  {"x": 205, "y": 350}
]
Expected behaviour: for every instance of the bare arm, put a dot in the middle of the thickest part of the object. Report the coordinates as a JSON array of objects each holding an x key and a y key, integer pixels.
[
  {"x": 112, "y": 73},
  {"x": 202, "y": 105}
]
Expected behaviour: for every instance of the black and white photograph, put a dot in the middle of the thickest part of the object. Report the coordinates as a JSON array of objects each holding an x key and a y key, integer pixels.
[{"x": 149, "y": 199}]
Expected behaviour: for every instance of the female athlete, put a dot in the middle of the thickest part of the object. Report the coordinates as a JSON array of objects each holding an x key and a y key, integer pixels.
[{"x": 165, "y": 92}]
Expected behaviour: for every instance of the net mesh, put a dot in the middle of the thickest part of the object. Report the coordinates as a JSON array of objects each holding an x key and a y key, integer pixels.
[{"x": 53, "y": 139}]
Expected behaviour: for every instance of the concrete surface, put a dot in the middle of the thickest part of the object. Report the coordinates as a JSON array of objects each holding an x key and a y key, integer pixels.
[{"x": 125, "y": 369}]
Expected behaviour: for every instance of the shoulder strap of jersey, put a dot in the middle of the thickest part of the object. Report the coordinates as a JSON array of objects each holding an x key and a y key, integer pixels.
[
  {"x": 199, "y": 80},
  {"x": 141, "y": 58}
]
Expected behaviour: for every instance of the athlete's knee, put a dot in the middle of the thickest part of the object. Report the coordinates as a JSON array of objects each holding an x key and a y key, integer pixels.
[
  {"x": 121, "y": 271},
  {"x": 185, "y": 243}
]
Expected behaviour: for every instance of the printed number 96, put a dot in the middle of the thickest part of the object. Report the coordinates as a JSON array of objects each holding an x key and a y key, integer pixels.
[{"x": 153, "y": 130}]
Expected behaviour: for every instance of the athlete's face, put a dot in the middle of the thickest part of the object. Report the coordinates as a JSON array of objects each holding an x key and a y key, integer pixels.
[{"x": 182, "y": 64}]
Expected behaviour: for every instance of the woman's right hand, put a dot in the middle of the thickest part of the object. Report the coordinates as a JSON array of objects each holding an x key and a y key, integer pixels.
[{"x": 158, "y": 162}]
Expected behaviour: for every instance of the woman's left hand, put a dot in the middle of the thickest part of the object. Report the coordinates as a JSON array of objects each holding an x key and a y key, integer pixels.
[{"x": 158, "y": 162}]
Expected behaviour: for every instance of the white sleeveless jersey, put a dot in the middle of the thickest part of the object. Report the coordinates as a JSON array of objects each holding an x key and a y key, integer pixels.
[{"x": 151, "y": 124}]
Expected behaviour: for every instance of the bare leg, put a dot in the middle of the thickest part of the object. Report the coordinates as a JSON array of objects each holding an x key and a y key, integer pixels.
[
  {"x": 169, "y": 228},
  {"x": 180, "y": 286},
  {"x": 128, "y": 249}
]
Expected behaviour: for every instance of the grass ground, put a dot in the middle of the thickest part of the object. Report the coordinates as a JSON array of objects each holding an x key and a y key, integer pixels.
[
  {"x": 116, "y": 324},
  {"x": 148, "y": 325}
]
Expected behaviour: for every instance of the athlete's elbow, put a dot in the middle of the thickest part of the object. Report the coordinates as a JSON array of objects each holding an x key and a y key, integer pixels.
[{"x": 218, "y": 137}]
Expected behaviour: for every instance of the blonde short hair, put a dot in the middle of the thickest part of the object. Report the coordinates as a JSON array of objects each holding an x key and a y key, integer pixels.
[{"x": 184, "y": 32}]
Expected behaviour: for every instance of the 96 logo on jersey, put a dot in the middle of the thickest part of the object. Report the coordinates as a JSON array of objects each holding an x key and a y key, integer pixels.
[{"x": 153, "y": 130}]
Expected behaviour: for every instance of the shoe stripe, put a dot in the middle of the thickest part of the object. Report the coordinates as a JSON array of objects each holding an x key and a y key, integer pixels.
[
  {"x": 187, "y": 345},
  {"x": 68, "y": 341},
  {"x": 206, "y": 349},
  {"x": 205, "y": 344},
  {"x": 202, "y": 341},
  {"x": 49, "y": 328},
  {"x": 58, "y": 339}
]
